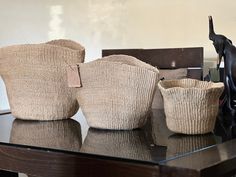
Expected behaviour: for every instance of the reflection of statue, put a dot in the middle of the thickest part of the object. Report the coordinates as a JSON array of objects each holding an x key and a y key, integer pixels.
[
  {"x": 227, "y": 50},
  {"x": 61, "y": 134}
]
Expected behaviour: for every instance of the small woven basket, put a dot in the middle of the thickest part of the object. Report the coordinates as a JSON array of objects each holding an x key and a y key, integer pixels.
[
  {"x": 61, "y": 134},
  {"x": 191, "y": 106},
  {"x": 117, "y": 92},
  {"x": 35, "y": 79}
]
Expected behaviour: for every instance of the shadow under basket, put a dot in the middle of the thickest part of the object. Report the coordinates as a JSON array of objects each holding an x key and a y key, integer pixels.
[
  {"x": 117, "y": 92},
  {"x": 190, "y": 105},
  {"x": 35, "y": 79}
]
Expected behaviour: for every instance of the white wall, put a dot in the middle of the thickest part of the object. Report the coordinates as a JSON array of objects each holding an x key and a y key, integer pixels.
[{"x": 98, "y": 24}]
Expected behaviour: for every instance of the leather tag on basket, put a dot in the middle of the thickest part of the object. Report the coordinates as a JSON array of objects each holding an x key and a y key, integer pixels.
[{"x": 73, "y": 76}]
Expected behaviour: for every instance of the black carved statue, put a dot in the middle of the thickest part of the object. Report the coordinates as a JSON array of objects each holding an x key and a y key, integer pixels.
[{"x": 227, "y": 50}]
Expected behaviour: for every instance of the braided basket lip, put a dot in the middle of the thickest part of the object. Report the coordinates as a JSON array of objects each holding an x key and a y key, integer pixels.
[
  {"x": 49, "y": 44},
  {"x": 211, "y": 85},
  {"x": 134, "y": 63},
  {"x": 67, "y": 41}
]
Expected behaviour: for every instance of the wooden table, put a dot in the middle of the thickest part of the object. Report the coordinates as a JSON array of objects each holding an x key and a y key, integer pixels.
[{"x": 68, "y": 148}]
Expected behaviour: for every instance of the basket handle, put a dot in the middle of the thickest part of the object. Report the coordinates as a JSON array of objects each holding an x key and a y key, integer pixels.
[{"x": 73, "y": 76}]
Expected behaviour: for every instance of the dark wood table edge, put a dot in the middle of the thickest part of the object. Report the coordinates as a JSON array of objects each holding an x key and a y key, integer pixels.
[
  {"x": 41, "y": 162},
  {"x": 44, "y": 163},
  {"x": 216, "y": 161},
  {"x": 166, "y": 168},
  {"x": 2, "y": 112}
]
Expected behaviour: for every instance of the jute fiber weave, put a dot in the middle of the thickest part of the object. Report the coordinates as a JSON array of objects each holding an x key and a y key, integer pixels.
[
  {"x": 117, "y": 92},
  {"x": 35, "y": 79},
  {"x": 191, "y": 106}
]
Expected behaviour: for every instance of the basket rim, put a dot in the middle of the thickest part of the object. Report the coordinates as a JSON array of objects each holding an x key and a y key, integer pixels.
[
  {"x": 23, "y": 47},
  {"x": 111, "y": 62},
  {"x": 213, "y": 85}
]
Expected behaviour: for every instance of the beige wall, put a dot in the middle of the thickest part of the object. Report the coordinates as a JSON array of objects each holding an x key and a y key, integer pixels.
[{"x": 98, "y": 24}]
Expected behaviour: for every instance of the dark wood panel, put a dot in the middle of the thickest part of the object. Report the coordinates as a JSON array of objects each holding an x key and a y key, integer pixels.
[
  {"x": 182, "y": 57},
  {"x": 164, "y": 58},
  {"x": 178, "y": 172},
  {"x": 195, "y": 73},
  {"x": 8, "y": 174},
  {"x": 57, "y": 164},
  {"x": 217, "y": 161}
]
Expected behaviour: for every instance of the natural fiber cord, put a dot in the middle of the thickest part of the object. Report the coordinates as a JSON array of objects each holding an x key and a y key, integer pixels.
[
  {"x": 35, "y": 79},
  {"x": 117, "y": 91},
  {"x": 191, "y": 106}
]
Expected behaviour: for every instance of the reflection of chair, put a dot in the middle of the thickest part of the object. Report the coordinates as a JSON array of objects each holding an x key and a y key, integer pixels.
[
  {"x": 160, "y": 132},
  {"x": 61, "y": 134},
  {"x": 173, "y": 63},
  {"x": 129, "y": 144}
]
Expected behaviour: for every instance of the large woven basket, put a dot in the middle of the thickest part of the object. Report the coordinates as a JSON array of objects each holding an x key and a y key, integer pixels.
[
  {"x": 117, "y": 92},
  {"x": 191, "y": 106},
  {"x": 35, "y": 79},
  {"x": 61, "y": 134}
]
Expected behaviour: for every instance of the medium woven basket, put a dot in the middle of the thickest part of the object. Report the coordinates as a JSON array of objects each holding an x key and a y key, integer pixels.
[
  {"x": 117, "y": 92},
  {"x": 35, "y": 79},
  {"x": 61, "y": 134},
  {"x": 191, "y": 106}
]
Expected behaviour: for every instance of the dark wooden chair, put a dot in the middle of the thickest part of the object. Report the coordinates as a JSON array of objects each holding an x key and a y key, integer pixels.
[{"x": 170, "y": 58}]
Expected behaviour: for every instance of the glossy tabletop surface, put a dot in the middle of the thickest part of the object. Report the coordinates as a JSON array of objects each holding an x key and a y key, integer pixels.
[{"x": 153, "y": 143}]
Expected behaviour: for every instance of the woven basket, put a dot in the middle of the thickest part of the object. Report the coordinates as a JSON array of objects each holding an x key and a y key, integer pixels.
[
  {"x": 35, "y": 78},
  {"x": 61, "y": 134},
  {"x": 129, "y": 144},
  {"x": 191, "y": 106},
  {"x": 116, "y": 92}
]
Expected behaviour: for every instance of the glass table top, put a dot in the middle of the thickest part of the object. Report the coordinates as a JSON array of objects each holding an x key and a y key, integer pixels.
[{"x": 153, "y": 143}]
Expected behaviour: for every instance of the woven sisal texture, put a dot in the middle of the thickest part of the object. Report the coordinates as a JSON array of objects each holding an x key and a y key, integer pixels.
[
  {"x": 191, "y": 106},
  {"x": 60, "y": 134},
  {"x": 117, "y": 92},
  {"x": 129, "y": 144},
  {"x": 35, "y": 78}
]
